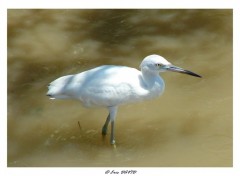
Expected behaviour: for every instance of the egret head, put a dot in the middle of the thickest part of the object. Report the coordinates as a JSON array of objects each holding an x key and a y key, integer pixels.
[{"x": 155, "y": 64}]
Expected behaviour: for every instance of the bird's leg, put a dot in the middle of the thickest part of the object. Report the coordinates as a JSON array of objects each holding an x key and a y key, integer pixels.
[
  {"x": 112, "y": 114},
  {"x": 112, "y": 137},
  {"x": 105, "y": 126}
]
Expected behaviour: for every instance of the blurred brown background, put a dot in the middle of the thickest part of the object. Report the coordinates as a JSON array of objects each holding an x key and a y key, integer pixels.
[{"x": 190, "y": 125}]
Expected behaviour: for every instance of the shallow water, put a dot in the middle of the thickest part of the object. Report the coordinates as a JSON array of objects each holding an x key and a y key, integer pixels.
[{"x": 190, "y": 125}]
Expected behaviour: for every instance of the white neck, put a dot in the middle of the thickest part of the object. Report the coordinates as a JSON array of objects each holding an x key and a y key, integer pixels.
[{"x": 150, "y": 77}]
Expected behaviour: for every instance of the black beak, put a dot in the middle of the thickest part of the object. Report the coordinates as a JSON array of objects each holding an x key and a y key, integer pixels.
[{"x": 180, "y": 70}]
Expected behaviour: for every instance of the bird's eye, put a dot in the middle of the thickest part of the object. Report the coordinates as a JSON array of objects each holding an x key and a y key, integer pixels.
[{"x": 158, "y": 65}]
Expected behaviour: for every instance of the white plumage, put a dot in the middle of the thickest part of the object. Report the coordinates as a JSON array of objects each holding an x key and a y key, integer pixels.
[{"x": 109, "y": 86}]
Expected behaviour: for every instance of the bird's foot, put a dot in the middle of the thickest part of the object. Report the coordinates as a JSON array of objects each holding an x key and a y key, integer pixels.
[{"x": 112, "y": 141}]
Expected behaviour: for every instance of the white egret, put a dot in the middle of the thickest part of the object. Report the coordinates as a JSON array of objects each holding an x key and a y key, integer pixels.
[{"x": 110, "y": 86}]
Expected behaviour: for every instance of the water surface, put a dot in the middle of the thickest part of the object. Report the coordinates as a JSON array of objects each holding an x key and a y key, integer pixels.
[{"x": 190, "y": 125}]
